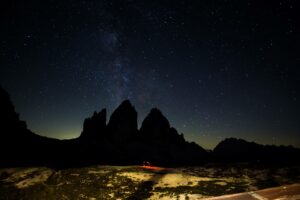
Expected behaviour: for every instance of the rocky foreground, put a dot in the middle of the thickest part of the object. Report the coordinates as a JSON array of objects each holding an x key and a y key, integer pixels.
[{"x": 140, "y": 182}]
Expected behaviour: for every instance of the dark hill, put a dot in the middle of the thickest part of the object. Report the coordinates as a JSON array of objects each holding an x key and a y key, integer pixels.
[
  {"x": 239, "y": 150},
  {"x": 18, "y": 145}
]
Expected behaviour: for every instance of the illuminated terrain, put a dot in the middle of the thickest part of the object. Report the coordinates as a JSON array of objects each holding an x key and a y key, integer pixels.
[{"x": 140, "y": 182}]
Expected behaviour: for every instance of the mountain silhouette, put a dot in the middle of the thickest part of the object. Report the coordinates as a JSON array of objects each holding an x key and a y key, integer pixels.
[
  {"x": 239, "y": 150},
  {"x": 120, "y": 142},
  {"x": 95, "y": 126},
  {"x": 18, "y": 145},
  {"x": 155, "y": 128},
  {"x": 122, "y": 125}
]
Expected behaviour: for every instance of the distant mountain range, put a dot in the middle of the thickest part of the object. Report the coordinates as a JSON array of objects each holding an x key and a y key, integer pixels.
[{"x": 120, "y": 142}]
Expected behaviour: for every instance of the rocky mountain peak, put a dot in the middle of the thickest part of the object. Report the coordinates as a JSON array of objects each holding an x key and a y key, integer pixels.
[
  {"x": 9, "y": 119},
  {"x": 95, "y": 125},
  {"x": 123, "y": 122},
  {"x": 155, "y": 126}
]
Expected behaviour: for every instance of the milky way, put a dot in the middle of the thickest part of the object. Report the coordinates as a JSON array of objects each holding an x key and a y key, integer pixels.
[{"x": 216, "y": 69}]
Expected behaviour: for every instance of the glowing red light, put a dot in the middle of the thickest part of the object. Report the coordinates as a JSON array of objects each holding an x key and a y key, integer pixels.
[{"x": 147, "y": 165}]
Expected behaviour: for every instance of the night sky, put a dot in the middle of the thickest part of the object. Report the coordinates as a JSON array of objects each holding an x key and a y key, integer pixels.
[{"x": 216, "y": 69}]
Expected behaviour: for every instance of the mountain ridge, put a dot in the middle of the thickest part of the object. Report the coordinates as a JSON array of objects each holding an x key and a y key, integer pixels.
[{"x": 119, "y": 141}]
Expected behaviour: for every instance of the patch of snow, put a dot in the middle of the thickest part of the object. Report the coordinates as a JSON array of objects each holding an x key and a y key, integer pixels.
[
  {"x": 98, "y": 172},
  {"x": 112, "y": 195},
  {"x": 109, "y": 185},
  {"x": 29, "y": 179},
  {"x": 137, "y": 176},
  {"x": 176, "y": 179},
  {"x": 164, "y": 196},
  {"x": 21, "y": 174},
  {"x": 221, "y": 183}
]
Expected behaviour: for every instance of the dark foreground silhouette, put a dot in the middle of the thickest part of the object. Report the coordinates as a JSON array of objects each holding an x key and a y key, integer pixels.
[{"x": 119, "y": 142}]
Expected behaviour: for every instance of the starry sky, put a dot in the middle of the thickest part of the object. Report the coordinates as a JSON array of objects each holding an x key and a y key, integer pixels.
[{"x": 216, "y": 69}]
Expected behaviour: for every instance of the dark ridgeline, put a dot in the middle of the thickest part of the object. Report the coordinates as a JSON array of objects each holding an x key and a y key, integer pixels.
[
  {"x": 238, "y": 150},
  {"x": 119, "y": 142}
]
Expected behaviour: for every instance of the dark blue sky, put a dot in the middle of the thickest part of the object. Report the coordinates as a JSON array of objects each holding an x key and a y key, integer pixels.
[{"x": 216, "y": 69}]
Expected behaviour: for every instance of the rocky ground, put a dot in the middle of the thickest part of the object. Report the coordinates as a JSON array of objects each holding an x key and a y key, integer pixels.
[{"x": 138, "y": 182}]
